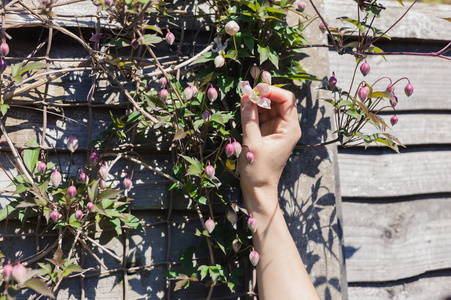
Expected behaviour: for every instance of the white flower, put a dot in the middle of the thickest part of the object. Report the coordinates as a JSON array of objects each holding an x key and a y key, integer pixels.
[
  {"x": 255, "y": 95},
  {"x": 232, "y": 28},
  {"x": 219, "y": 44},
  {"x": 219, "y": 61}
]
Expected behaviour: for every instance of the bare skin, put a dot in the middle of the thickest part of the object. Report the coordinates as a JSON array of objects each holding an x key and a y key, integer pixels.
[{"x": 271, "y": 135}]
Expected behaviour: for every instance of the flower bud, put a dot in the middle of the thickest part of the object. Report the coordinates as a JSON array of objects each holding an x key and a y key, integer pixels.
[
  {"x": 90, "y": 206},
  {"x": 230, "y": 149},
  {"x": 164, "y": 95},
  {"x": 393, "y": 120},
  {"x": 219, "y": 61},
  {"x": 232, "y": 216},
  {"x": 72, "y": 191},
  {"x": 170, "y": 38},
  {"x": 95, "y": 37},
  {"x": 2, "y": 65},
  {"x": 394, "y": 101},
  {"x": 94, "y": 158},
  {"x": 55, "y": 178},
  {"x": 363, "y": 92},
  {"x": 210, "y": 225},
  {"x": 238, "y": 148},
  {"x": 390, "y": 88},
  {"x": 55, "y": 215},
  {"x": 78, "y": 214},
  {"x": 254, "y": 257},
  {"x": 194, "y": 88},
  {"x": 7, "y": 271},
  {"x": 163, "y": 81},
  {"x": 365, "y": 68},
  {"x": 252, "y": 223},
  {"x": 41, "y": 167},
  {"x": 84, "y": 178},
  {"x": 250, "y": 157},
  {"x": 19, "y": 273},
  {"x": 236, "y": 244},
  {"x": 212, "y": 94},
  {"x": 322, "y": 27},
  {"x": 4, "y": 48},
  {"x": 72, "y": 143},
  {"x": 332, "y": 81},
  {"x": 109, "y": 3},
  {"x": 266, "y": 77},
  {"x": 103, "y": 172},
  {"x": 301, "y": 6},
  {"x": 135, "y": 43},
  {"x": 232, "y": 28},
  {"x": 102, "y": 183},
  {"x": 408, "y": 90},
  {"x": 206, "y": 116},
  {"x": 255, "y": 71},
  {"x": 209, "y": 171},
  {"x": 127, "y": 184},
  {"x": 188, "y": 93}
]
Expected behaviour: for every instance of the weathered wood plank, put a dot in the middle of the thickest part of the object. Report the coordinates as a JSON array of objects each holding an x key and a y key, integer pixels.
[
  {"x": 383, "y": 173},
  {"x": 391, "y": 241}
]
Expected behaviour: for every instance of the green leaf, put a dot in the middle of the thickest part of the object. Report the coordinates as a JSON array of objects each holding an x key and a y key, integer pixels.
[
  {"x": 133, "y": 221},
  {"x": 151, "y": 39},
  {"x": 171, "y": 273},
  {"x": 264, "y": 53},
  {"x": 39, "y": 287},
  {"x": 4, "y": 108},
  {"x": 225, "y": 83},
  {"x": 248, "y": 41},
  {"x": 233, "y": 54},
  {"x": 4, "y": 212},
  {"x": 209, "y": 56},
  {"x": 31, "y": 155},
  {"x": 119, "y": 43},
  {"x": 108, "y": 194},
  {"x": 117, "y": 224},
  {"x": 15, "y": 69},
  {"x": 274, "y": 58},
  {"x": 74, "y": 222},
  {"x": 32, "y": 66},
  {"x": 195, "y": 167},
  {"x": 203, "y": 271}
]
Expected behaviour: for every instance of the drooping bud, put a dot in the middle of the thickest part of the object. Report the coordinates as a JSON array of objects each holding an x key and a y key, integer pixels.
[
  {"x": 163, "y": 81},
  {"x": 232, "y": 28},
  {"x": 55, "y": 215},
  {"x": 7, "y": 271},
  {"x": 230, "y": 149},
  {"x": 2, "y": 65},
  {"x": 55, "y": 178},
  {"x": 72, "y": 191},
  {"x": 394, "y": 120},
  {"x": 90, "y": 206},
  {"x": 212, "y": 94},
  {"x": 390, "y": 88},
  {"x": 394, "y": 101},
  {"x": 78, "y": 214},
  {"x": 127, "y": 184},
  {"x": 19, "y": 273},
  {"x": 266, "y": 77},
  {"x": 206, "y": 116},
  {"x": 83, "y": 177},
  {"x": 301, "y": 6},
  {"x": 332, "y": 81},
  {"x": 408, "y": 90},
  {"x": 102, "y": 183},
  {"x": 210, "y": 225},
  {"x": 170, "y": 38},
  {"x": 209, "y": 171},
  {"x": 365, "y": 68},
  {"x": 4, "y": 48},
  {"x": 95, "y": 37},
  {"x": 254, "y": 257},
  {"x": 188, "y": 93},
  {"x": 194, "y": 88},
  {"x": 103, "y": 172},
  {"x": 252, "y": 223},
  {"x": 236, "y": 244},
  {"x": 41, "y": 167},
  {"x": 232, "y": 216},
  {"x": 164, "y": 95},
  {"x": 94, "y": 158},
  {"x": 109, "y": 2},
  {"x": 363, "y": 92},
  {"x": 250, "y": 157},
  {"x": 219, "y": 61},
  {"x": 237, "y": 147},
  {"x": 255, "y": 71},
  {"x": 135, "y": 43},
  {"x": 72, "y": 143},
  {"x": 322, "y": 27}
]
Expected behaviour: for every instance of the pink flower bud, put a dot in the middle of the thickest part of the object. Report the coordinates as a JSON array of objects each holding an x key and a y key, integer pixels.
[
  {"x": 72, "y": 191},
  {"x": 210, "y": 225},
  {"x": 170, "y": 38},
  {"x": 55, "y": 178},
  {"x": 408, "y": 90},
  {"x": 19, "y": 273},
  {"x": 322, "y": 27},
  {"x": 230, "y": 149},
  {"x": 252, "y": 223},
  {"x": 232, "y": 216},
  {"x": 194, "y": 88},
  {"x": 109, "y": 2},
  {"x": 394, "y": 101},
  {"x": 212, "y": 94},
  {"x": 72, "y": 143},
  {"x": 255, "y": 71},
  {"x": 236, "y": 245},
  {"x": 2, "y": 65},
  {"x": 393, "y": 120},
  {"x": 219, "y": 61},
  {"x": 206, "y": 116},
  {"x": 250, "y": 157},
  {"x": 90, "y": 206},
  {"x": 363, "y": 92},
  {"x": 301, "y": 6},
  {"x": 238, "y": 148},
  {"x": 41, "y": 167},
  {"x": 188, "y": 93},
  {"x": 164, "y": 95},
  {"x": 266, "y": 77},
  {"x": 332, "y": 81},
  {"x": 78, "y": 214},
  {"x": 163, "y": 81},
  {"x": 7, "y": 271},
  {"x": 94, "y": 158},
  {"x": 209, "y": 171},
  {"x": 365, "y": 68},
  {"x": 390, "y": 88},
  {"x": 135, "y": 43},
  {"x": 4, "y": 48},
  {"x": 254, "y": 257},
  {"x": 95, "y": 37},
  {"x": 103, "y": 172},
  {"x": 84, "y": 178},
  {"x": 232, "y": 28},
  {"x": 55, "y": 215},
  {"x": 127, "y": 184},
  {"x": 102, "y": 183}
]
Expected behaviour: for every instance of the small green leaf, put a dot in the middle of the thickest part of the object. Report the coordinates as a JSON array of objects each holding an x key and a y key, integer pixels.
[
  {"x": 264, "y": 53},
  {"x": 151, "y": 39},
  {"x": 31, "y": 155},
  {"x": 4, "y": 108},
  {"x": 195, "y": 167},
  {"x": 274, "y": 58}
]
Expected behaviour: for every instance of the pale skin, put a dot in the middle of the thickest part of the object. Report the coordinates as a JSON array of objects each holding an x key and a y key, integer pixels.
[{"x": 271, "y": 135}]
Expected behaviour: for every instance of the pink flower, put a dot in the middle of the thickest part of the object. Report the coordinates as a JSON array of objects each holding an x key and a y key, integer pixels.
[
  {"x": 109, "y": 2},
  {"x": 255, "y": 71},
  {"x": 266, "y": 77},
  {"x": 209, "y": 171},
  {"x": 394, "y": 101},
  {"x": 78, "y": 214},
  {"x": 96, "y": 37},
  {"x": 4, "y": 48},
  {"x": 135, "y": 43},
  {"x": 103, "y": 172},
  {"x": 394, "y": 120},
  {"x": 219, "y": 61},
  {"x": 408, "y": 90},
  {"x": 163, "y": 82},
  {"x": 72, "y": 191},
  {"x": 250, "y": 157},
  {"x": 254, "y": 257},
  {"x": 212, "y": 94},
  {"x": 236, "y": 244},
  {"x": 363, "y": 92},
  {"x": 301, "y": 6},
  {"x": 332, "y": 81},
  {"x": 94, "y": 158},
  {"x": 102, "y": 183},
  {"x": 164, "y": 95},
  {"x": 232, "y": 216},
  {"x": 55, "y": 215},
  {"x": 322, "y": 27},
  {"x": 55, "y": 178},
  {"x": 230, "y": 148},
  {"x": 127, "y": 184},
  {"x": 210, "y": 225},
  {"x": 206, "y": 116},
  {"x": 7, "y": 271},
  {"x": 72, "y": 143},
  {"x": 41, "y": 167},
  {"x": 365, "y": 68},
  {"x": 83, "y": 177},
  {"x": 237, "y": 147},
  {"x": 19, "y": 273},
  {"x": 188, "y": 93},
  {"x": 252, "y": 223},
  {"x": 90, "y": 206},
  {"x": 170, "y": 38},
  {"x": 255, "y": 95}
]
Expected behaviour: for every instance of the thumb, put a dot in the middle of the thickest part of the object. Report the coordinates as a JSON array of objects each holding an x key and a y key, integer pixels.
[{"x": 249, "y": 121}]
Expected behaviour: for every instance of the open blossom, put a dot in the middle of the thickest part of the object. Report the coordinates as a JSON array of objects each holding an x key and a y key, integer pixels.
[{"x": 255, "y": 95}]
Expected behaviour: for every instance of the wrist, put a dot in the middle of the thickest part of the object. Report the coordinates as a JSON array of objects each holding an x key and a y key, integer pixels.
[{"x": 261, "y": 200}]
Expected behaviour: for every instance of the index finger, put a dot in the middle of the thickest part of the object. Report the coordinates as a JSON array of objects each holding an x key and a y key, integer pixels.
[{"x": 286, "y": 101}]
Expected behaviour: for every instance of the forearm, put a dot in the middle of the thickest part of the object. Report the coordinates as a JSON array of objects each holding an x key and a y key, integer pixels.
[{"x": 280, "y": 272}]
